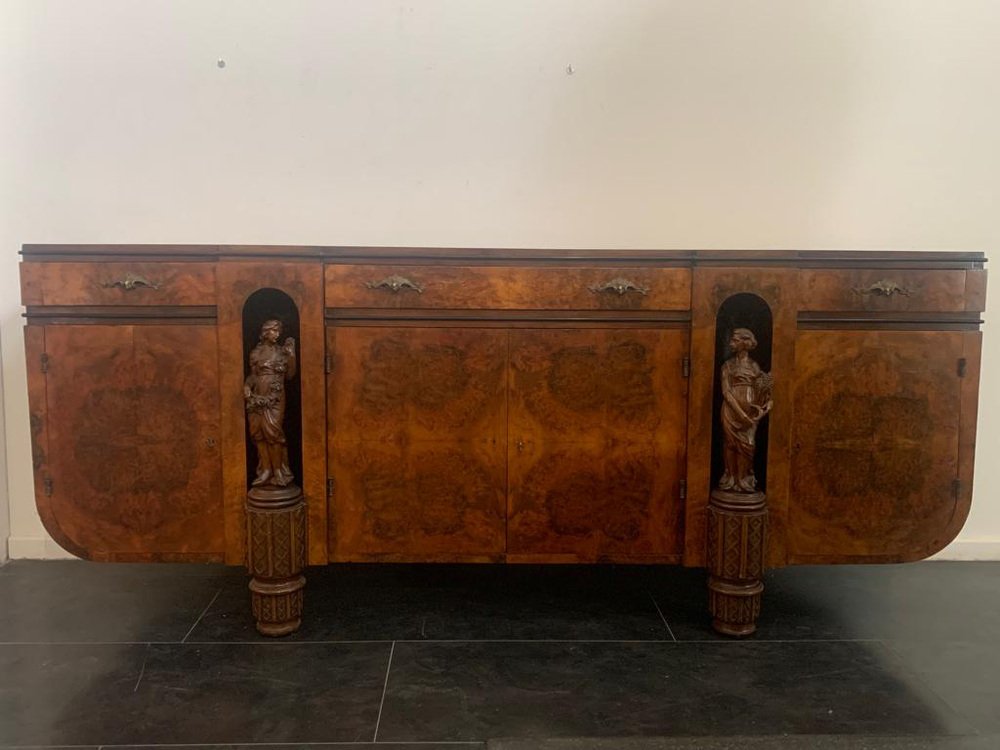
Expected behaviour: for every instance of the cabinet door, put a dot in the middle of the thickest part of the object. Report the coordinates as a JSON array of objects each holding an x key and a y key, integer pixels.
[
  {"x": 417, "y": 443},
  {"x": 875, "y": 444},
  {"x": 597, "y": 441},
  {"x": 133, "y": 466}
]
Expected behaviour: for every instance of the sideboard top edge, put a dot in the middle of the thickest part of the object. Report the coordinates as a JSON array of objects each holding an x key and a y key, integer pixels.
[{"x": 795, "y": 258}]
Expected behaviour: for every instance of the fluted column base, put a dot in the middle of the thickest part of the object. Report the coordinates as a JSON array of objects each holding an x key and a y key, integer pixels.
[
  {"x": 276, "y": 557},
  {"x": 737, "y": 531}
]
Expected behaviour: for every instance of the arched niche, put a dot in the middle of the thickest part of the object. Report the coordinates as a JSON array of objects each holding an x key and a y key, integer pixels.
[
  {"x": 744, "y": 310},
  {"x": 273, "y": 304}
]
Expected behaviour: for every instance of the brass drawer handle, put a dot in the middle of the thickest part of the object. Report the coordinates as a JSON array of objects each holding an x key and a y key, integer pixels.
[
  {"x": 130, "y": 282},
  {"x": 884, "y": 289},
  {"x": 619, "y": 286},
  {"x": 395, "y": 284}
]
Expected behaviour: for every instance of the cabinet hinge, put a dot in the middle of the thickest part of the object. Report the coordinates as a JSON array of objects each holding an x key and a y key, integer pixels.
[
  {"x": 686, "y": 367},
  {"x": 956, "y": 488},
  {"x": 329, "y": 487},
  {"x": 328, "y": 363},
  {"x": 44, "y": 362},
  {"x": 47, "y": 485},
  {"x": 963, "y": 365},
  {"x": 683, "y": 489}
]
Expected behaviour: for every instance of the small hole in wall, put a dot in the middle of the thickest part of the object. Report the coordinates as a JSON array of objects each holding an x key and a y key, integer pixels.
[{"x": 220, "y": 63}]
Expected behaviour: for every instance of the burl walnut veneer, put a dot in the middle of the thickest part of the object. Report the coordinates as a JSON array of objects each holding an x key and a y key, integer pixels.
[{"x": 488, "y": 405}]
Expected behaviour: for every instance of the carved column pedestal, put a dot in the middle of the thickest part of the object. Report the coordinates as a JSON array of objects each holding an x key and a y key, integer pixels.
[
  {"x": 276, "y": 557},
  {"x": 737, "y": 524}
]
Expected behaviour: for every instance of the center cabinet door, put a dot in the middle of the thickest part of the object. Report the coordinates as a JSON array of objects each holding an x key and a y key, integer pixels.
[
  {"x": 597, "y": 435},
  {"x": 417, "y": 443}
]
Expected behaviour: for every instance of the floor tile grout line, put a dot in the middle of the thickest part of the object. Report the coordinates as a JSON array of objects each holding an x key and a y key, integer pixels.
[
  {"x": 145, "y": 658},
  {"x": 385, "y": 688},
  {"x": 660, "y": 611},
  {"x": 333, "y": 743},
  {"x": 269, "y": 642},
  {"x": 203, "y": 612}
]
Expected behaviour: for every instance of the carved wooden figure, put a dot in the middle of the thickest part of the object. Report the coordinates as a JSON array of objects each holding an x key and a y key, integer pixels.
[
  {"x": 276, "y": 513},
  {"x": 737, "y": 512}
]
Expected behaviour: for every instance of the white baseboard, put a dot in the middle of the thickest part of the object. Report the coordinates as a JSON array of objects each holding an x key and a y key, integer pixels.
[
  {"x": 971, "y": 549},
  {"x": 40, "y": 548},
  {"x": 36, "y": 548}
]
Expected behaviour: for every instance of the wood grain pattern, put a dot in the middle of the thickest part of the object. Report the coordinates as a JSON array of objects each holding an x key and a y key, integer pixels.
[
  {"x": 134, "y": 455},
  {"x": 73, "y": 283},
  {"x": 417, "y": 436},
  {"x": 876, "y": 443},
  {"x": 597, "y": 442},
  {"x": 879, "y": 290},
  {"x": 505, "y": 287},
  {"x": 712, "y": 286},
  {"x": 303, "y": 282}
]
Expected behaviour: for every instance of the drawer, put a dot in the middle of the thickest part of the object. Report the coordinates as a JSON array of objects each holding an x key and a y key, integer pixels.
[
  {"x": 70, "y": 283},
  {"x": 878, "y": 290},
  {"x": 507, "y": 288}
]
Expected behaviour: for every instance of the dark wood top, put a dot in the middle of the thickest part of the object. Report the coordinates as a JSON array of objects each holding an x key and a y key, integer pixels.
[{"x": 489, "y": 255}]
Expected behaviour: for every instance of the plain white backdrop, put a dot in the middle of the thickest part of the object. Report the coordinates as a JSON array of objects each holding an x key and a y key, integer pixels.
[{"x": 856, "y": 124}]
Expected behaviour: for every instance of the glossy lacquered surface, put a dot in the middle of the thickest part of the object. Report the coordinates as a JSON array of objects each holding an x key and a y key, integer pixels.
[
  {"x": 115, "y": 654},
  {"x": 509, "y": 405}
]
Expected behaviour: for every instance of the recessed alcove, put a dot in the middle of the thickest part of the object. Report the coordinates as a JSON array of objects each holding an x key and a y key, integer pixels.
[
  {"x": 261, "y": 306},
  {"x": 744, "y": 310}
]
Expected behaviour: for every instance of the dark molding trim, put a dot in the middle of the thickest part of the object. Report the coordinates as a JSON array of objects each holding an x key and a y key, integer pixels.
[
  {"x": 97, "y": 315},
  {"x": 901, "y": 321},
  {"x": 501, "y": 256}
]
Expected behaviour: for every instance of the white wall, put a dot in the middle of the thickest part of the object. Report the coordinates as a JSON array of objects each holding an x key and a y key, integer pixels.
[
  {"x": 4, "y": 495},
  {"x": 772, "y": 124}
]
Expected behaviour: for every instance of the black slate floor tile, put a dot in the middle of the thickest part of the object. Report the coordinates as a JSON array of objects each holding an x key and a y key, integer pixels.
[
  {"x": 795, "y": 742},
  {"x": 58, "y": 694},
  {"x": 966, "y": 675},
  {"x": 917, "y": 601},
  {"x": 478, "y": 691},
  {"x": 456, "y": 603},
  {"x": 317, "y": 746},
  {"x": 230, "y": 693},
  {"x": 162, "y": 694},
  {"x": 75, "y": 601}
]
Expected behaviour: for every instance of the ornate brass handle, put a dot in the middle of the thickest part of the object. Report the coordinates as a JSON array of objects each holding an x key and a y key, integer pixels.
[
  {"x": 619, "y": 286},
  {"x": 130, "y": 282},
  {"x": 395, "y": 284},
  {"x": 884, "y": 289}
]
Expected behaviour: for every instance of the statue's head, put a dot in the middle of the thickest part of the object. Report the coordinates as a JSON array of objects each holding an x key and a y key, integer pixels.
[
  {"x": 270, "y": 331},
  {"x": 742, "y": 340}
]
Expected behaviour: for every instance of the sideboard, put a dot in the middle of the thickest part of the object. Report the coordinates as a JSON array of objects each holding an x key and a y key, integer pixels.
[{"x": 504, "y": 405}]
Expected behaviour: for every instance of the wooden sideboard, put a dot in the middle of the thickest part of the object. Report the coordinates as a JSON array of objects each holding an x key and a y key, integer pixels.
[{"x": 490, "y": 405}]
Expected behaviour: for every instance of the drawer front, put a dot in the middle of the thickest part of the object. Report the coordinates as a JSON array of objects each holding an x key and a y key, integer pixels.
[
  {"x": 507, "y": 288},
  {"x": 70, "y": 283},
  {"x": 883, "y": 290}
]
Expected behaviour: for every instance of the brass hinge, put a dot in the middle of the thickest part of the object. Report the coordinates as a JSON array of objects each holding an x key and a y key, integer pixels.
[
  {"x": 686, "y": 367},
  {"x": 956, "y": 488},
  {"x": 45, "y": 362},
  {"x": 328, "y": 363},
  {"x": 329, "y": 487},
  {"x": 684, "y": 489},
  {"x": 963, "y": 365},
  {"x": 47, "y": 485}
]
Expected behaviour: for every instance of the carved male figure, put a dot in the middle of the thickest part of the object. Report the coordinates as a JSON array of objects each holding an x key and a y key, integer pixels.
[
  {"x": 746, "y": 399},
  {"x": 271, "y": 365}
]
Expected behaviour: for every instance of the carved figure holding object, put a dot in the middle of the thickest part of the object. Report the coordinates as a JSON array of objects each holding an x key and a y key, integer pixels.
[
  {"x": 746, "y": 399},
  {"x": 271, "y": 366}
]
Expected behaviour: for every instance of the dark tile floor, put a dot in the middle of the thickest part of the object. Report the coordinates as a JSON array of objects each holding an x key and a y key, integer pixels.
[{"x": 435, "y": 657}]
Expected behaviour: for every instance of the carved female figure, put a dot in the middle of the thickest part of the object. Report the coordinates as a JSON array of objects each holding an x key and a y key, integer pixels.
[
  {"x": 271, "y": 365},
  {"x": 746, "y": 399}
]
